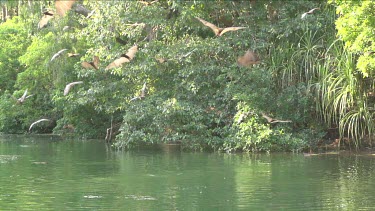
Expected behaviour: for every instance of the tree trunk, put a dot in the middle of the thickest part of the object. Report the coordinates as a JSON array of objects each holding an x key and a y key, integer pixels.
[{"x": 4, "y": 13}]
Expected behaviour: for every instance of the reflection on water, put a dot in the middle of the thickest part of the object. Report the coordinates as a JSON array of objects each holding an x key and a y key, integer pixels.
[{"x": 39, "y": 173}]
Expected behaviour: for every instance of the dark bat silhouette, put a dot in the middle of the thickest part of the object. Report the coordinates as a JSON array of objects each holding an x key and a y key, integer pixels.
[
  {"x": 80, "y": 9},
  {"x": 70, "y": 85},
  {"x": 121, "y": 41},
  {"x": 217, "y": 30},
  {"x": 48, "y": 15},
  {"x": 123, "y": 58},
  {"x": 94, "y": 64},
  {"x": 63, "y": 6},
  {"x": 48, "y": 12},
  {"x": 272, "y": 120},
  {"x": 249, "y": 58},
  {"x": 36, "y": 122},
  {"x": 309, "y": 13}
]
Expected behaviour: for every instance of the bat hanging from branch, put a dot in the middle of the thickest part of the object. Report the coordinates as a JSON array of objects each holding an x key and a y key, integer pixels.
[
  {"x": 124, "y": 58},
  {"x": 217, "y": 30},
  {"x": 249, "y": 58},
  {"x": 161, "y": 60}
]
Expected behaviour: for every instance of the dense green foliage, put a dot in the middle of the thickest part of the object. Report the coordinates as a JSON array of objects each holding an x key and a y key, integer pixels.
[
  {"x": 348, "y": 89},
  {"x": 200, "y": 97}
]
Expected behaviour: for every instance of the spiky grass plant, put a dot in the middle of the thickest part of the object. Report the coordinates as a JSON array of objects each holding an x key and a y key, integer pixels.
[
  {"x": 294, "y": 63},
  {"x": 341, "y": 99},
  {"x": 308, "y": 55},
  {"x": 357, "y": 124},
  {"x": 340, "y": 91}
]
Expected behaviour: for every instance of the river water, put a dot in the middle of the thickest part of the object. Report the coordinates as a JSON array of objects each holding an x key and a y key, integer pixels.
[{"x": 39, "y": 173}]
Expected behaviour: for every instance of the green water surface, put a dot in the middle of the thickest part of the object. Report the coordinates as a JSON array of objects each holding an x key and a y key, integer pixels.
[{"x": 49, "y": 174}]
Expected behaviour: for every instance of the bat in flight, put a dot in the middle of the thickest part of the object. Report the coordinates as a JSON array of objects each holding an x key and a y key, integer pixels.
[
  {"x": 249, "y": 58},
  {"x": 143, "y": 93},
  {"x": 70, "y": 85},
  {"x": 124, "y": 58},
  {"x": 217, "y": 30},
  {"x": 36, "y": 122},
  {"x": 24, "y": 97},
  {"x": 48, "y": 15},
  {"x": 73, "y": 54},
  {"x": 143, "y": 90},
  {"x": 94, "y": 64},
  {"x": 148, "y": 3},
  {"x": 272, "y": 120},
  {"x": 63, "y": 6},
  {"x": 309, "y": 13},
  {"x": 58, "y": 54},
  {"x": 179, "y": 58}
]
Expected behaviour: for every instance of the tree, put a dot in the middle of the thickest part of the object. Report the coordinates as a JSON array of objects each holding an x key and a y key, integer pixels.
[
  {"x": 13, "y": 42},
  {"x": 195, "y": 92}
]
